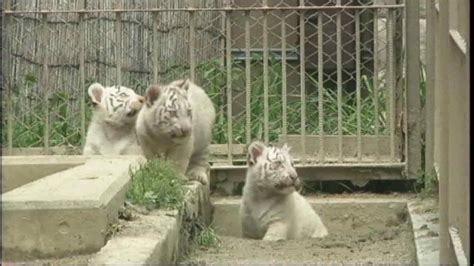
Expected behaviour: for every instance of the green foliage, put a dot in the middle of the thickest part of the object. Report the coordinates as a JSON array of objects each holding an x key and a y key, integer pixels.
[
  {"x": 215, "y": 78},
  {"x": 156, "y": 184},
  {"x": 64, "y": 118},
  {"x": 207, "y": 237}
]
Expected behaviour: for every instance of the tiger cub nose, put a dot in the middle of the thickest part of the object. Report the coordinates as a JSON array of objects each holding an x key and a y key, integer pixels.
[
  {"x": 185, "y": 130},
  {"x": 293, "y": 175}
]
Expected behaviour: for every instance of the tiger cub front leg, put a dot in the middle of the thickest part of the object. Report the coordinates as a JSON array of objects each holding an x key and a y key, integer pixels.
[
  {"x": 199, "y": 168},
  {"x": 276, "y": 231},
  {"x": 179, "y": 158}
]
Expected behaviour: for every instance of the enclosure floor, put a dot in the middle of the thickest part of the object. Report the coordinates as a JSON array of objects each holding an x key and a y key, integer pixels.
[
  {"x": 356, "y": 235},
  {"x": 75, "y": 260},
  {"x": 391, "y": 246}
]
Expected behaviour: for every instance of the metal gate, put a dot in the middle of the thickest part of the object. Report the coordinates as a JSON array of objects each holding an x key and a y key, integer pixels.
[{"x": 333, "y": 78}]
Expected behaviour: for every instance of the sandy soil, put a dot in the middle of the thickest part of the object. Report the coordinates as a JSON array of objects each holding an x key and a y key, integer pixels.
[{"x": 379, "y": 233}]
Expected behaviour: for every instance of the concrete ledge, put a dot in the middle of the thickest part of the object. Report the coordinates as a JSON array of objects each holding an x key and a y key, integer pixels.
[
  {"x": 424, "y": 219},
  {"x": 149, "y": 239},
  {"x": 160, "y": 237},
  {"x": 20, "y": 170},
  {"x": 66, "y": 213}
]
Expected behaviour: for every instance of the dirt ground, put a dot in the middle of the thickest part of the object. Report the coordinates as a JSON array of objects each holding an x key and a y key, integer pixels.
[
  {"x": 358, "y": 233},
  {"x": 75, "y": 260}
]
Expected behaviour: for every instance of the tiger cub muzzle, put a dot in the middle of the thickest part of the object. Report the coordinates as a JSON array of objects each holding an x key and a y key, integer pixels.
[
  {"x": 136, "y": 106},
  {"x": 181, "y": 131},
  {"x": 292, "y": 180}
]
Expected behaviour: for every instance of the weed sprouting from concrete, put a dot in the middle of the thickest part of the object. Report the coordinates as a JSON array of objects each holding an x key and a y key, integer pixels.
[
  {"x": 113, "y": 229},
  {"x": 207, "y": 237},
  {"x": 155, "y": 184}
]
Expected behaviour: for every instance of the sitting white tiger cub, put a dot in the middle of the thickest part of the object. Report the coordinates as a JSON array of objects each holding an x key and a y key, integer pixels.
[
  {"x": 176, "y": 124},
  {"x": 271, "y": 207},
  {"x": 112, "y": 127}
]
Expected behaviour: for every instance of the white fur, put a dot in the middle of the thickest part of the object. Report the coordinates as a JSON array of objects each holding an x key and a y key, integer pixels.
[
  {"x": 189, "y": 154},
  {"x": 112, "y": 133},
  {"x": 272, "y": 214}
]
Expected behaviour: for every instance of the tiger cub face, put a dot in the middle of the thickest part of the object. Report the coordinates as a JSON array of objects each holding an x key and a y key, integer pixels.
[
  {"x": 271, "y": 168},
  {"x": 170, "y": 110},
  {"x": 117, "y": 105}
]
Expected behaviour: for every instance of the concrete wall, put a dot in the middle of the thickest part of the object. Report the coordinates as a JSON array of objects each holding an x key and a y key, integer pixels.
[{"x": 448, "y": 121}]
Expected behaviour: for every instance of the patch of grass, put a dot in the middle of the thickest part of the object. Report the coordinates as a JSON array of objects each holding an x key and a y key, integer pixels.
[
  {"x": 207, "y": 237},
  {"x": 214, "y": 80},
  {"x": 64, "y": 120},
  {"x": 425, "y": 185},
  {"x": 155, "y": 184}
]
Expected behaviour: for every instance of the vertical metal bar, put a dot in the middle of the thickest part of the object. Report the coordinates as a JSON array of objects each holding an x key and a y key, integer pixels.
[
  {"x": 339, "y": 81},
  {"x": 302, "y": 84},
  {"x": 118, "y": 44},
  {"x": 222, "y": 41},
  {"x": 7, "y": 76},
  {"x": 320, "y": 87},
  {"x": 265, "y": 75},
  {"x": 376, "y": 84},
  {"x": 156, "y": 47},
  {"x": 442, "y": 33},
  {"x": 429, "y": 104},
  {"x": 413, "y": 87},
  {"x": 45, "y": 77},
  {"x": 391, "y": 83},
  {"x": 248, "y": 92},
  {"x": 284, "y": 93},
  {"x": 358, "y": 103},
  {"x": 192, "y": 42},
  {"x": 229, "y": 86},
  {"x": 82, "y": 32}
]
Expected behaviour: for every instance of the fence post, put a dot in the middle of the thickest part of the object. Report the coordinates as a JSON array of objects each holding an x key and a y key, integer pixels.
[
  {"x": 45, "y": 77},
  {"x": 118, "y": 43},
  {"x": 413, "y": 87},
  {"x": 445, "y": 253},
  {"x": 192, "y": 40},
  {"x": 429, "y": 93},
  {"x": 82, "y": 82},
  {"x": 265, "y": 74},
  {"x": 228, "y": 60},
  {"x": 6, "y": 72}
]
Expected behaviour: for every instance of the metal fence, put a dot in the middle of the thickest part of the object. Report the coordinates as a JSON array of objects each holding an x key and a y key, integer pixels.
[
  {"x": 331, "y": 77},
  {"x": 447, "y": 123}
]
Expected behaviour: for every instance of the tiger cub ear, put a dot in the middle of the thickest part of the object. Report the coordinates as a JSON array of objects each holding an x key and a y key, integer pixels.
[
  {"x": 152, "y": 93},
  {"x": 255, "y": 150},
  {"x": 96, "y": 91},
  {"x": 286, "y": 148},
  {"x": 185, "y": 85}
]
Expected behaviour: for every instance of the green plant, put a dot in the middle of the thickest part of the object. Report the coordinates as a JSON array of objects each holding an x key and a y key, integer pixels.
[
  {"x": 207, "y": 236},
  {"x": 156, "y": 184},
  {"x": 30, "y": 117},
  {"x": 425, "y": 184},
  {"x": 64, "y": 120},
  {"x": 214, "y": 78}
]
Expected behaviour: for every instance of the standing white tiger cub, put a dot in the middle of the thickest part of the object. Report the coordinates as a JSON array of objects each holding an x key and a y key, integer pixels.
[
  {"x": 271, "y": 207},
  {"x": 176, "y": 124},
  {"x": 112, "y": 128}
]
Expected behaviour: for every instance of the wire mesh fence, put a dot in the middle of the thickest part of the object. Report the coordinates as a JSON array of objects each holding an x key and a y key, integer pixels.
[{"x": 325, "y": 76}]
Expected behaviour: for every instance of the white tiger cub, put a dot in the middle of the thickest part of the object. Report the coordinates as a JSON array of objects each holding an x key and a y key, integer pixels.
[
  {"x": 112, "y": 127},
  {"x": 271, "y": 207},
  {"x": 176, "y": 124}
]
